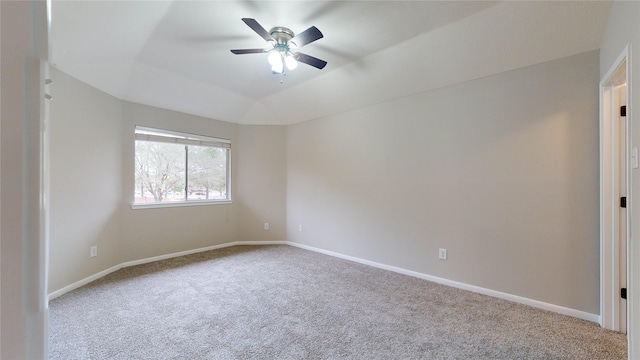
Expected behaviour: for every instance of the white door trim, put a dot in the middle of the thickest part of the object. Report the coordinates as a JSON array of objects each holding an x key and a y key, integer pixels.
[{"x": 610, "y": 237}]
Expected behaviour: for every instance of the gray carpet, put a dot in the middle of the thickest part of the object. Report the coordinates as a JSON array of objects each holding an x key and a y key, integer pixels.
[{"x": 281, "y": 302}]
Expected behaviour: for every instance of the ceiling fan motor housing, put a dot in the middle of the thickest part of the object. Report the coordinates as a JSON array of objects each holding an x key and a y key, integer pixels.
[{"x": 282, "y": 35}]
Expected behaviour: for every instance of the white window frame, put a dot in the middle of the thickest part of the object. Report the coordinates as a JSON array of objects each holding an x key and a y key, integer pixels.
[{"x": 175, "y": 137}]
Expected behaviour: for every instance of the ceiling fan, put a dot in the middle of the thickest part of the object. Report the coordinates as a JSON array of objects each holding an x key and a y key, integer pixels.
[{"x": 284, "y": 42}]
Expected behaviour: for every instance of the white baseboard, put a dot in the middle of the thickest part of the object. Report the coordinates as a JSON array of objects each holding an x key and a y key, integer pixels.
[
  {"x": 194, "y": 251},
  {"x": 83, "y": 282},
  {"x": 501, "y": 295},
  {"x": 108, "y": 271},
  {"x": 497, "y": 294}
]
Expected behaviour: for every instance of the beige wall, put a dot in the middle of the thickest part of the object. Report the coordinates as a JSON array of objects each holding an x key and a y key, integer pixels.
[
  {"x": 501, "y": 171},
  {"x": 261, "y": 182},
  {"x": 623, "y": 28},
  {"x": 86, "y": 186}
]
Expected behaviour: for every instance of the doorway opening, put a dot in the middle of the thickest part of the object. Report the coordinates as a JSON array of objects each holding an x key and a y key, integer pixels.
[{"x": 614, "y": 170}]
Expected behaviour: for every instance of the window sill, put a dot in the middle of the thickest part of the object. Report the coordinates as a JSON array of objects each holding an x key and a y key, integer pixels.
[{"x": 178, "y": 204}]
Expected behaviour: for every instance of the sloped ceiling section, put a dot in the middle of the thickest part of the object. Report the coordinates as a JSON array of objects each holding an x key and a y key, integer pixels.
[{"x": 175, "y": 54}]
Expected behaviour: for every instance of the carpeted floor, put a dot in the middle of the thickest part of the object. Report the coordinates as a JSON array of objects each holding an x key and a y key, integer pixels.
[{"x": 282, "y": 302}]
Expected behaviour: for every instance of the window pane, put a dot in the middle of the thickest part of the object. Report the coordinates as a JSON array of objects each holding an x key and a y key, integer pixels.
[
  {"x": 160, "y": 169},
  {"x": 207, "y": 175}
]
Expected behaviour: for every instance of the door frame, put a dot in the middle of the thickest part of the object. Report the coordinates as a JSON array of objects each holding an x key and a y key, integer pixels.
[{"x": 610, "y": 239}]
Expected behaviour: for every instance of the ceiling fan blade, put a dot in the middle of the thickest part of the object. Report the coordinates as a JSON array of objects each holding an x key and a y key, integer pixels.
[
  {"x": 310, "y": 60},
  {"x": 253, "y": 24},
  {"x": 248, "y": 51},
  {"x": 308, "y": 36}
]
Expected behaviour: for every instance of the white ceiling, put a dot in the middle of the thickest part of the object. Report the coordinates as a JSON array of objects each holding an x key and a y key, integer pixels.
[{"x": 175, "y": 54}]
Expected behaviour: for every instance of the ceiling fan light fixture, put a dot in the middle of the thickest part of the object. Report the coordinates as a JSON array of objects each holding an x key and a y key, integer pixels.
[
  {"x": 275, "y": 58},
  {"x": 291, "y": 62},
  {"x": 278, "y": 68}
]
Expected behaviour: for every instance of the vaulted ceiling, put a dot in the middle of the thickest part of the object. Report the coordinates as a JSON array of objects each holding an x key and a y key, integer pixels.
[{"x": 175, "y": 54}]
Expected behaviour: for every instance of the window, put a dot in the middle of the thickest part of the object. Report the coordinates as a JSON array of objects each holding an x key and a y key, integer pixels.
[{"x": 173, "y": 167}]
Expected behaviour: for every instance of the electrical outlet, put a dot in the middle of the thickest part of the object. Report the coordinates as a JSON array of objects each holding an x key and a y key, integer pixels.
[
  {"x": 266, "y": 226},
  {"x": 94, "y": 251},
  {"x": 300, "y": 227},
  {"x": 442, "y": 254}
]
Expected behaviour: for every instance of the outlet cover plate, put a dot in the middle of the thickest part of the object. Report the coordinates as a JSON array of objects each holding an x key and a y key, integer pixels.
[{"x": 442, "y": 254}]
